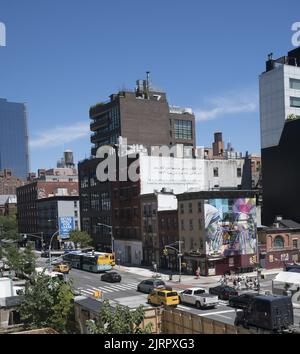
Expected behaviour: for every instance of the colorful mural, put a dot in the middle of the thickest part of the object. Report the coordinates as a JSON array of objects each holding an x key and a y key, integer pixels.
[{"x": 230, "y": 227}]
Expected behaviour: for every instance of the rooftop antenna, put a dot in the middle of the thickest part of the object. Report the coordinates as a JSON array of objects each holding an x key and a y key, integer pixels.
[{"x": 270, "y": 56}]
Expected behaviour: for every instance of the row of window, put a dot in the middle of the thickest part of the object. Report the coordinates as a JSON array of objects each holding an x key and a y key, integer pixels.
[
  {"x": 191, "y": 225},
  {"x": 238, "y": 172},
  {"x": 183, "y": 129},
  {"x": 278, "y": 243},
  {"x": 190, "y": 208}
]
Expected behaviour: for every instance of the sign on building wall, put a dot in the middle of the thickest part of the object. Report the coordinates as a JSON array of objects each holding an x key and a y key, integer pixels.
[
  {"x": 230, "y": 227},
  {"x": 66, "y": 225}
]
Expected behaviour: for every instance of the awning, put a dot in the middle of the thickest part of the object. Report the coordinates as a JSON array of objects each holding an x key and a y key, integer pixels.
[
  {"x": 215, "y": 259},
  {"x": 288, "y": 277}
]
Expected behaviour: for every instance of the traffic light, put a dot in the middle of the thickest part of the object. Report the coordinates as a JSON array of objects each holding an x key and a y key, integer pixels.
[{"x": 165, "y": 252}]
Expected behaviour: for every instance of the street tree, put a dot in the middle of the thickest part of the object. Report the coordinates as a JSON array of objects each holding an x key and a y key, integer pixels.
[
  {"x": 9, "y": 227},
  {"x": 13, "y": 257},
  {"x": 21, "y": 261},
  {"x": 47, "y": 302},
  {"x": 81, "y": 238},
  {"x": 119, "y": 320}
]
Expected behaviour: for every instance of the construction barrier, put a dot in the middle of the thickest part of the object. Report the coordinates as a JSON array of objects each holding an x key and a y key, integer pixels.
[{"x": 181, "y": 322}]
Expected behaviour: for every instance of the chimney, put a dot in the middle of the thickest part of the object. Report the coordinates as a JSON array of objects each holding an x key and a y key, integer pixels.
[{"x": 7, "y": 173}]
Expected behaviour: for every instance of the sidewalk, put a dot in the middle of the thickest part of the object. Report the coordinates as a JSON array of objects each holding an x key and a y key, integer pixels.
[{"x": 189, "y": 280}]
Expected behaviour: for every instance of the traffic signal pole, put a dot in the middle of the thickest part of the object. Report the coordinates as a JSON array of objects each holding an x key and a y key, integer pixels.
[{"x": 179, "y": 255}]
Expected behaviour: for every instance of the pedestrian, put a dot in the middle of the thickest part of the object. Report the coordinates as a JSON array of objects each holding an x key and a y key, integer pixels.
[
  {"x": 198, "y": 273},
  {"x": 234, "y": 282},
  {"x": 255, "y": 283}
]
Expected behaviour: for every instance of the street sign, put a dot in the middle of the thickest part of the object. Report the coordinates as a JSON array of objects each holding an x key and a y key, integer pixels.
[{"x": 66, "y": 225}]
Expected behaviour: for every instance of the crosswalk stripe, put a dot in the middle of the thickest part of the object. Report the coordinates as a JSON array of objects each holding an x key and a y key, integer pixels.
[
  {"x": 108, "y": 288},
  {"x": 87, "y": 292},
  {"x": 119, "y": 287},
  {"x": 128, "y": 286},
  {"x": 97, "y": 289}
]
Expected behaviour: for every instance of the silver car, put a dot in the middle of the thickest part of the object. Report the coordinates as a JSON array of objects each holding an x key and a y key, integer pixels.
[{"x": 147, "y": 286}]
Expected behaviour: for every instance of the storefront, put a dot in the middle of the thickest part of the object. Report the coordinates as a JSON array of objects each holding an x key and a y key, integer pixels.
[{"x": 210, "y": 266}]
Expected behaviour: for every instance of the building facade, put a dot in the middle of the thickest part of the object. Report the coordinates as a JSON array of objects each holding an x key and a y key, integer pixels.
[
  {"x": 9, "y": 183},
  {"x": 45, "y": 186},
  {"x": 51, "y": 210},
  {"x": 143, "y": 117},
  {"x": 280, "y": 129},
  {"x": 158, "y": 225},
  {"x": 14, "y": 153},
  {"x": 218, "y": 230},
  {"x": 279, "y": 244}
]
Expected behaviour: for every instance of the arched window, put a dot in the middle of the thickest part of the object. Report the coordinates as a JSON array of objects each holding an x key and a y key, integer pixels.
[{"x": 278, "y": 242}]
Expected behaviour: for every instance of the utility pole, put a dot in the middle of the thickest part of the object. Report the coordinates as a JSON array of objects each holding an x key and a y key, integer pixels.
[
  {"x": 257, "y": 259},
  {"x": 179, "y": 254}
]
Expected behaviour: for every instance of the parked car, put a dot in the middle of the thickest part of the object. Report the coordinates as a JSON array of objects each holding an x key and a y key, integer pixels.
[
  {"x": 223, "y": 292},
  {"x": 241, "y": 301},
  {"x": 199, "y": 298},
  {"x": 270, "y": 313},
  {"x": 45, "y": 254},
  {"x": 111, "y": 277},
  {"x": 146, "y": 286},
  {"x": 163, "y": 297},
  {"x": 61, "y": 268}
]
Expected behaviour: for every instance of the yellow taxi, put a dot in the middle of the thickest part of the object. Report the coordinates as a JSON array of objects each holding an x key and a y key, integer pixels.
[
  {"x": 163, "y": 297},
  {"x": 61, "y": 268}
]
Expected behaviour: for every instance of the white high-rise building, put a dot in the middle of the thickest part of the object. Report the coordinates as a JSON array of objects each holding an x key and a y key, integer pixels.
[{"x": 279, "y": 99}]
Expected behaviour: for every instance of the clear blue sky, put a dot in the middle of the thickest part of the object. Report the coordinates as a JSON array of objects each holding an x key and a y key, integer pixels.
[{"x": 63, "y": 56}]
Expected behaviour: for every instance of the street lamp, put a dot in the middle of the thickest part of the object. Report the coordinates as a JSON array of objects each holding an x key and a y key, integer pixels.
[
  {"x": 111, "y": 234},
  {"x": 52, "y": 237},
  {"x": 179, "y": 254}
]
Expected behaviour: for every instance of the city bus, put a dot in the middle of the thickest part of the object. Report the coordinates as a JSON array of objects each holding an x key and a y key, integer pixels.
[{"x": 95, "y": 262}]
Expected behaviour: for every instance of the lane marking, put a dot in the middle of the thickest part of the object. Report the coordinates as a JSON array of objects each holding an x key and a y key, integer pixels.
[
  {"x": 218, "y": 312},
  {"x": 224, "y": 317}
]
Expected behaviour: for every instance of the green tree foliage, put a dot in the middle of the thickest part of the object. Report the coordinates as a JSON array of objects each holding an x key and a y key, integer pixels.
[
  {"x": 9, "y": 227},
  {"x": 81, "y": 238},
  {"x": 119, "y": 320},
  {"x": 48, "y": 302},
  {"x": 22, "y": 261}
]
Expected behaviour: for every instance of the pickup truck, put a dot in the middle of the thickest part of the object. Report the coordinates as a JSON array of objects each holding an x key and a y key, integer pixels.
[{"x": 199, "y": 298}]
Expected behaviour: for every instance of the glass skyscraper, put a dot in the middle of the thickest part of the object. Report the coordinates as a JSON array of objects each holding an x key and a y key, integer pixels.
[{"x": 14, "y": 153}]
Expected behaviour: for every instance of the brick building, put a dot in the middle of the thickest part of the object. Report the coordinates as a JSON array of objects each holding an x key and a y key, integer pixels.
[
  {"x": 9, "y": 183},
  {"x": 279, "y": 244},
  {"x": 45, "y": 186},
  {"x": 159, "y": 226},
  {"x": 218, "y": 230},
  {"x": 143, "y": 117}
]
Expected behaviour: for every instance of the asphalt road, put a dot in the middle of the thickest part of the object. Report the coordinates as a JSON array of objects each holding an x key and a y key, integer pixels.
[{"x": 125, "y": 293}]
